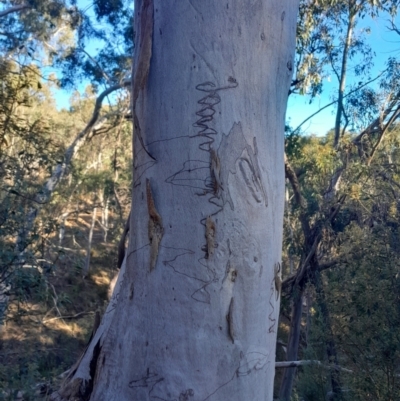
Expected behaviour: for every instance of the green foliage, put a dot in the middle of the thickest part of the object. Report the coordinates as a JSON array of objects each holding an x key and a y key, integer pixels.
[
  {"x": 50, "y": 307},
  {"x": 362, "y": 289},
  {"x": 322, "y": 30},
  {"x": 111, "y": 29},
  {"x": 38, "y": 28}
]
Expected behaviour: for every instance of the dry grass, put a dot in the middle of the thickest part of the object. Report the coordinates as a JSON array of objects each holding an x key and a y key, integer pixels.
[{"x": 49, "y": 322}]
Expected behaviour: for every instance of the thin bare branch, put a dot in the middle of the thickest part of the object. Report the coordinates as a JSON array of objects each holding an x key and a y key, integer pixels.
[
  {"x": 296, "y": 364},
  {"x": 94, "y": 61},
  {"x": 381, "y": 136},
  {"x": 68, "y": 317},
  {"x": 292, "y": 177},
  {"x": 335, "y": 101},
  {"x": 375, "y": 126},
  {"x": 304, "y": 267},
  {"x": 14, "y": 9}
]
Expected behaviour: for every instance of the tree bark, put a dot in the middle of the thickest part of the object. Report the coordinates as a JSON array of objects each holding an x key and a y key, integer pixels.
[{"x": 195, "y": 309}]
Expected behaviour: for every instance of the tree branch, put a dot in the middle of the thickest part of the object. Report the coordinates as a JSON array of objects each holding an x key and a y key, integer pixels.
[
  {"x": 375, "y": 126},
  {"x": 45, "y": 193},
  {"x": 342, "y": 79},
  {"x": 14, "y": 9},
  {"x": 335, "y": 101},
  {"x": 292, "y": 177},
  {"x": 303, "y": 269},
  {"x": 289, "y": 281},
  {"x": 295, "y": 364},
  {"x": 67, "y": 317},
  {"x": 105, "y": 76},
  {"x": 384, "y": 130}
]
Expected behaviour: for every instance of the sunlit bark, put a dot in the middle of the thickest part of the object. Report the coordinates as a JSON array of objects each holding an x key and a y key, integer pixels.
[{"x": 194, "y": 314}]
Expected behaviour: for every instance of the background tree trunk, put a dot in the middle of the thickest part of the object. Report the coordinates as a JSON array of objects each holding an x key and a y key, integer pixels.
[
  {"x": 285, "y": 391},
  {"x": 195, "y": 312},
  {"x": 89, "y": 245}
]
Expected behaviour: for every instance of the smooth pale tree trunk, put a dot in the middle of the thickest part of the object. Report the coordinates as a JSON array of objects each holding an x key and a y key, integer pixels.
[{"x": 194, "y": 315}]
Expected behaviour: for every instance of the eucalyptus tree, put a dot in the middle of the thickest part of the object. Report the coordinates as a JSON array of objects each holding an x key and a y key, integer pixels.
[
  {"x": 56, "y": 32},
  {"x": 194, "y": 313},
  {"x": 358, "y": 266},
  {"x": 28, "y": 149},
  {"x": 35, "y": 35},
  {"x": 328, "y": 42}
]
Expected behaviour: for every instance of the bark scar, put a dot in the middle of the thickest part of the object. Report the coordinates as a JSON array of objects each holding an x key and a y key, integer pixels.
[
  {"x": 229, "y": 318},
  {"x": 210, "y": 236},
  {"x": 215, "y": 172},
  {"x": 155, "y": 227},
  {"x": 141, "y": 66}
]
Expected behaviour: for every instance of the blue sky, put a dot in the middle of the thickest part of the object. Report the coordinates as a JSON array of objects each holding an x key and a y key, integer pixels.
[{"x": 385, "y": 44}]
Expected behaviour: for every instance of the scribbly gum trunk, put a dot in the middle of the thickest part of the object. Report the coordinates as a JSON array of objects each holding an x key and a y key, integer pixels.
[{"x": 194, "y": 315}]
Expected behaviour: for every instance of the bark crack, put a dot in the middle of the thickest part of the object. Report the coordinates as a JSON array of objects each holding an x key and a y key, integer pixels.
[
  {"x": 210, "y": 236},
  {"x": 229, "y": 318},
  {"x": 155, "y": 227}
]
